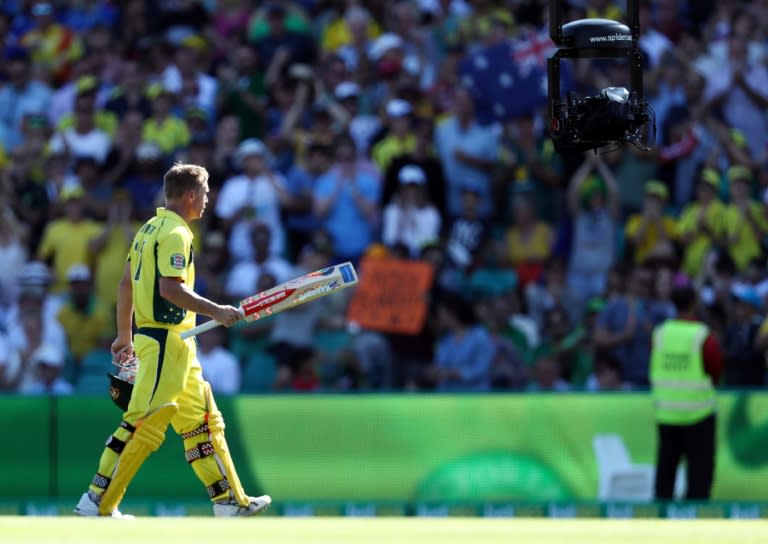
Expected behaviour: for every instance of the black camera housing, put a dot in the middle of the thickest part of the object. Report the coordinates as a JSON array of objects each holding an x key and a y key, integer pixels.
[{"x": 614, "y": 116}]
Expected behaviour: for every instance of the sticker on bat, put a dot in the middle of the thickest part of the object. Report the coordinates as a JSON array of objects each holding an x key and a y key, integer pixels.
[
  {"x": 322, "y": 272},
  {"x": 255, "y": 304},
  {"x": 317, "y": 291}
]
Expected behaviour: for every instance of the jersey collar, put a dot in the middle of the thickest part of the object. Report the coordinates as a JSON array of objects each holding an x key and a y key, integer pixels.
[{"x": 176, "y": 218}]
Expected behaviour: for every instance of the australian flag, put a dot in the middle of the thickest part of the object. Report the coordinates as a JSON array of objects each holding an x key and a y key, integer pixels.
[{"x": 509, "y": 80}]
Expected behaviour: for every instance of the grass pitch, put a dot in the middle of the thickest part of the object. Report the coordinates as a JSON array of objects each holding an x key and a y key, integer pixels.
[{"x": 340, "y": 530}]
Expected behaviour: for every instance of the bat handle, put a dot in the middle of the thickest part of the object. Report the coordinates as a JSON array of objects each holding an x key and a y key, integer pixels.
[{"x": 208, "y": 325}]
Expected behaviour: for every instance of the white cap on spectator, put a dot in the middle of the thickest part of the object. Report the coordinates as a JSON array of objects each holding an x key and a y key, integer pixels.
[
  {"x": 34, "y": 273},
  {"x": 384, "y": 43},
  {"x": 397, "y": 107},
  {"x": 148, "y": 151},
  {"x": 430, "y": 6},
  {"x": 346, "y": 89},
  {"x": 49, "y": 355},
  {"x": 411, "y": 174},
  {"x": 251, "y": 146},
  {"x": 79, "y": 272}
]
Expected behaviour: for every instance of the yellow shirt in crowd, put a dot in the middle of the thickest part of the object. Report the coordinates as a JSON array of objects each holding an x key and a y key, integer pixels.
[
  {"x": 169, "y": 135},
  {"x": 645, "y": 247},
  {"x": 86, "y": 331},
  {"x": 66, "y": 244},
  {"x": 537, "y": 247},
  {"x": 742, "y": 242},
  {"x": 697, "y": 248}
]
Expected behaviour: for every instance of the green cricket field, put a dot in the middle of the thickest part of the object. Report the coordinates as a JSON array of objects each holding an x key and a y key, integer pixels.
[{"x": 340, "y": 530}]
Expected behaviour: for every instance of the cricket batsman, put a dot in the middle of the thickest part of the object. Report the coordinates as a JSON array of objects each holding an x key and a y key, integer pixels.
[{"x": 158, "y": 288}]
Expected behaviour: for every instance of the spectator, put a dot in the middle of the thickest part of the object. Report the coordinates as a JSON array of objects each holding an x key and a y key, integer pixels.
[
  {"x": 468, "y": 234},
  {"x": 188, "y": 59},
  {"x": 10, "y": 362},
  {"x": 13, "y": 255},
  {"x": 508, "y": 371},
  {"x": 98, "y": 193},
  {"x": 295, "y": 330},
  {"x": 400, "y": 138},
  {"x": 281, "y": 41},
  {"x": 529, "y": 166},
  {"x": 362, "y": 126},
  {"x": 652, "y": 234},
  {"x": 84, "y": 138},
  {"x": 298, "y": 214},
  {"x": 345, "y": 203},
  {"x": 464, "y": 354},
  {"x": 244, "y": 276},
  {"x": 29, "y": 328},
  {"x": 744, "y": 363},
  {"x": 145, "y": 183},
  {"x": 242, "y": 91},
  {"x": 624, "y": 326},
  {"x": 213, "y": 267},
  {"x": 65, "y": 241},
  {"x": 163, "y": 127},
  {"x": 258, "y": 193},
  {"x": 593, "y": 204},
  {"x": 110, "y": 247},
  {"x": 608, "y": 374},
  {"x": 221, "y": 368},
  {"x": 410, "y": 218},
  {"x": 528, "y": 243},
  {"x": 47, "y": 364},
  {"x": 121, "y": 159},
  {"x": 84, "y": 318},
  {"x": 738, "y": 86},
  {"x": 423, "y": 156},
  {"x": 53, "y": 46},
  {"x": 546, "y": 377},
  {"x": 306, "y": 379},
  {"x": 129, "y": 94},
  {"x": 744, "y": 220},
  {"x": 569, "y": 345},
  {"x": 701, "y": 223},
  {"x": 20, "y": 96},
  {"x": 549, "y": 291},
  {"x": 467, "y": 151}
]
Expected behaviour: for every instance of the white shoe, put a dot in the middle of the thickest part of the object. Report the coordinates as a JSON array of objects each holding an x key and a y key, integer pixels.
[
  {"x": 88, "y": 507},
  {"x": 232, "y": 509}
]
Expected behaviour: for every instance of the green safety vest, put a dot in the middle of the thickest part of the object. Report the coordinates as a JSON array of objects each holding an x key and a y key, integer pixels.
[{"x": 682, "y": 391}]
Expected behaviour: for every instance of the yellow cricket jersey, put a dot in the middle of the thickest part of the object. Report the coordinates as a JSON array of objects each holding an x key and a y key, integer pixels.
[
  {"x": 161, "y": 248},
  {"x": 744, "y": 245},
  {"x": 697, "y": 249},
  {"x": 391, "y": 147},
  {"x": 103, "y": 119},
  {"x": 169, "y": 134},
  {"x": 65, "y": 244},
  {"x": 648, "y": 243}
]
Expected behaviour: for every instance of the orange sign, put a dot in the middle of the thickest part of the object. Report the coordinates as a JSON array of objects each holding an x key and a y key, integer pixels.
[{"x": 391, "y": 295}]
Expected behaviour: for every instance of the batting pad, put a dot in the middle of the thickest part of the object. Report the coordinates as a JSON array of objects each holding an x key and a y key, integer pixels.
[
  {"x": 149, "y": 436},
  {"x": 223, "y": 458}
]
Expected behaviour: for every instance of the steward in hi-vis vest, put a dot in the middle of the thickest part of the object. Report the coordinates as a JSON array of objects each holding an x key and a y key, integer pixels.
[
  {"x": 683, "y": 392},
  {"x": 686, "y": 363}
]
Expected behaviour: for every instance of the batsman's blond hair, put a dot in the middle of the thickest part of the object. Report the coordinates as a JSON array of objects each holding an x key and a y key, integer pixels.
[{"x": 181, "y": 178}]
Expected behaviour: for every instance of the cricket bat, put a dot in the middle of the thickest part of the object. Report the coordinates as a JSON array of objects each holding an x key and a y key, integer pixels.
[{"x": 289, "y": 294}]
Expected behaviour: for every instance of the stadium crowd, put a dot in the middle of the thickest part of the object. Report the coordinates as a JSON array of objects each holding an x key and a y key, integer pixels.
[{"x": 347, "y": 129}]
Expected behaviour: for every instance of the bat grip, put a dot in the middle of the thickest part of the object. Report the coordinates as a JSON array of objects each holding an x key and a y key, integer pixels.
[{"x": 208, "y": 325}]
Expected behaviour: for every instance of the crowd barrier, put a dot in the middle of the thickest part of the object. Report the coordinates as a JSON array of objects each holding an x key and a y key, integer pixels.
[{"x": 558, "y": 455}]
